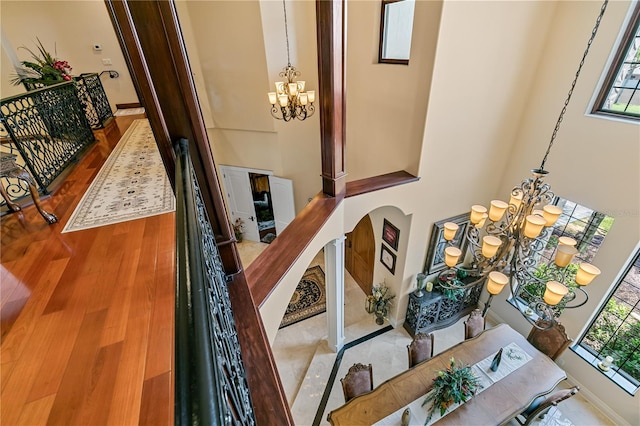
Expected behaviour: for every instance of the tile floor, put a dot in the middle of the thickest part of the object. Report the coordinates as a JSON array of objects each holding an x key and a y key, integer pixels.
[{"x": 305, "y": 361}]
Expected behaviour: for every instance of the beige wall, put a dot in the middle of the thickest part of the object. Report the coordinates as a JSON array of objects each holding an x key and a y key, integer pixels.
[
  {"x": 69, "y": 28},
  {"x": 386, "y": 103}
]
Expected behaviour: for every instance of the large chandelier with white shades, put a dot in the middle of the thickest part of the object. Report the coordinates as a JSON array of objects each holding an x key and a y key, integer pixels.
[
  {"x": 290, "y": 100},
  {"x": 505, "y": 242}
]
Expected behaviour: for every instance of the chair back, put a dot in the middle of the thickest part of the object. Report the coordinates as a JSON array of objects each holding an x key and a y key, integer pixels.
[
  {"x": 474, "y": 325},
  {"x": 420, "y": 349},
  {"x": 538, "y": 409},
  {"x": 359, "y": 380},
  {"x": 552, "y": 341}
]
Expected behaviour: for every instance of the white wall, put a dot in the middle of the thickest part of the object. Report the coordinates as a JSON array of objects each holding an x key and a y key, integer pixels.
[{"x": 68, "y": 30}]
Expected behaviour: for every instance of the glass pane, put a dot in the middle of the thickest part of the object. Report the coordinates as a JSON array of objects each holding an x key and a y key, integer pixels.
[
  {"x": 624, "y": 96},
  {"x": 397, "y": 21}
]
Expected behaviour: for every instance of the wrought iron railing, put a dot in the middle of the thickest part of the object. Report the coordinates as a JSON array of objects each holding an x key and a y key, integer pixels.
[
  {"x": 210, "y": 382},
  {"x": 47, "y": 128},
  {"x": 93, "y": 99}
]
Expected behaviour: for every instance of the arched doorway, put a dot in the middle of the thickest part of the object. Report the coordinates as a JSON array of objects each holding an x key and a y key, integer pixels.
[{"x": 360, "y": 254}]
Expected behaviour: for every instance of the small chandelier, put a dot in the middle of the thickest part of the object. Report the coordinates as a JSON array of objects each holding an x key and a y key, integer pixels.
[
  {"x": 505, "y": 251},
  {"x": 290, "y": 100}
]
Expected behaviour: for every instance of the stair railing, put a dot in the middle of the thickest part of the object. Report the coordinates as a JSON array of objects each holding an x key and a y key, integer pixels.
[{"x": 210, "y": 381}]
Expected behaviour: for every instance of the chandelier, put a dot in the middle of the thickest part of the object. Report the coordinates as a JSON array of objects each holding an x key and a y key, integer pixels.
[
  {"x": 505, "y": 243},
  {"x": 290, "y": 100}
]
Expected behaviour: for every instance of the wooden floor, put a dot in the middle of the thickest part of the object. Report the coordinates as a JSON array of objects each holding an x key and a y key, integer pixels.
[{"x": 87, "y": 316}]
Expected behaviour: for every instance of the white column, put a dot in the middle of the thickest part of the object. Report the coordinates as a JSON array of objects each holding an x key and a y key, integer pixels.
[{"x": 334, "y": 278}]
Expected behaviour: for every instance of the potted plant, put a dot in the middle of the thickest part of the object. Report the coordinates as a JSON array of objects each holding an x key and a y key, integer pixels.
[
  {"x": 379, "y": 302},
  {"x": 45, "y": 69},
  {"x": 455, "y": 385}
]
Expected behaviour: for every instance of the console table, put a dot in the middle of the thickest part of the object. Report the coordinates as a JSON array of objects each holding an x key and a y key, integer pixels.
[{"x": 434, "y": 310}]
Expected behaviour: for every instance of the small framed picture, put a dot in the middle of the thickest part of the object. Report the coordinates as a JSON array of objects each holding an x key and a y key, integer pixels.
[
  {"x": 390, "y": 234},
  {"x": 388, "y": 259}
]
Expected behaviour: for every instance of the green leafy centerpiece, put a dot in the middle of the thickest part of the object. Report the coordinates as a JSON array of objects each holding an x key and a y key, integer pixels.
[
  {"x": 379, "y": 302},
  {"x": 455, "y": 385}
]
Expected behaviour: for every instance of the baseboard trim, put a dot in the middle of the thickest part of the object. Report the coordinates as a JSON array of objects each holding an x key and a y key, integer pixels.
[{"x": 129, "y": 105}]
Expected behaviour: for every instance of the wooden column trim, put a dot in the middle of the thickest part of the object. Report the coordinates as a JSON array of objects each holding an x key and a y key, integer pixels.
[
  {"x": 330, "y": 24},
  {"x": 164, "y": 82}
]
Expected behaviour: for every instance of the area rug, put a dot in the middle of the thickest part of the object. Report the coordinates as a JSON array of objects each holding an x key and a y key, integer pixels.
[
  {"x": 128, "y": 111},
  {"x": 132, "y": 184},
  {"x": 308, "y": 299}
]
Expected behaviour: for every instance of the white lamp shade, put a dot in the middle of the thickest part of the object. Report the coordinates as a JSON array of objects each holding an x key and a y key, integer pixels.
[
  {"x": 496, "y": 282},
  {"x": 554, "y": 293},
  {"x": 476, "y": 213},
  {"x": 538, "y": 213},
  {"x": 551, "y": 214},
  {"x": 564, "y": 255},
  {"x": 497, "y": 210},
  {"x": 534, "y": 225},
  {"x": 586, "y": 273},
  {"x": 284, "y": 100},
  {"x": 311, "y": 95},
  {"x": 516, "y": 199},
  {"x": 303, "y": 99},
  {"x": 279, "y": 87},
  {"x": 293, "y": 88},
  {"x": 490, "y": 245},
  {"x": 482, "y": 221},
  {"x": 301, "y": 85},
  {"x": 451, "y": 256},
  {"x": 567, "y": 241},
  {"x": 273, "y": 99},
  {"x": 450, "y": 230}
]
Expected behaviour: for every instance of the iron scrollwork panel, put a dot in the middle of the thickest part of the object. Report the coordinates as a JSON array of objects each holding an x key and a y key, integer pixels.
[{"x": 225, "y": 339}]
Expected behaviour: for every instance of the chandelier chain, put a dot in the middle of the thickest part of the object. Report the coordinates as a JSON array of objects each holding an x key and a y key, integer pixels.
[
  {"x": 286, "y": 32},
  {"x": 573, "y": 84}
]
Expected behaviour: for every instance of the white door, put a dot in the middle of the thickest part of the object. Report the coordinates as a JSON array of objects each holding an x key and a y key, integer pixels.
[
  {"x": 282, "y": 199},
  {"x": 238, "y": 188}
]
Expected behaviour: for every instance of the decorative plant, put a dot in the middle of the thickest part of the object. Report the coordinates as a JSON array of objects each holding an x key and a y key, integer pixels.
[
  {"x": 452, "y": 293},
  {"x": 46, "y": 69},
  {"x": 379, "y": 300},
  {"x": 455, "y": 385},
  {"x": 238, "y": 229}
]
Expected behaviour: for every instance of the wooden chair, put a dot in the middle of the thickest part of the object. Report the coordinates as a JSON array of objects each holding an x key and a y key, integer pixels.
[
  {"x": 541, "y": 405},
  {"x": 359, "y": 380},
  {"x": 552, "y": 341},
  {"x": 420, "y": 349},
  {"x": 474, "y": 325}
]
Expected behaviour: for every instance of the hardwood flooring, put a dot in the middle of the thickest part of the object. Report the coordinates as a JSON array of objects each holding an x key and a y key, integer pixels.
[{"x": 86, "y": 316}]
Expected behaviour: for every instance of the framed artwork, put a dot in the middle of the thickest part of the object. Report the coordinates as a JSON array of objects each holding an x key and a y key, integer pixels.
[
  {"x": 437, "y": 243},
  {"x": 388, "y": 259},
  {"x": 390, "y": 234}
]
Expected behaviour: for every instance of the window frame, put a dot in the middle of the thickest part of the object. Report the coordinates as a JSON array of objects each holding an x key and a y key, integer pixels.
[
  {"x": 381, "y": 41},
  {"x": 613, "y": 68},
  {"x": 629, "y": 384}
]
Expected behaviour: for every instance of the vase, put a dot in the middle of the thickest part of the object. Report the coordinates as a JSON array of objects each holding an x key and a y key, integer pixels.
[{"x": 379, "y": 318}]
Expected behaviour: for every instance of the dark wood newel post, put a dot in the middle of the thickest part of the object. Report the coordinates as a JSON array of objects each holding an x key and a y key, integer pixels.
[{"x": 330, "y": 26}]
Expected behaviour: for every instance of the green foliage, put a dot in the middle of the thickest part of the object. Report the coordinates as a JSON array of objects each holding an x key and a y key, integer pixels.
[
  {"x": 452, "y": 293},
  {"x": 455, "y": 385},
  {"x": 45, "y": 69},
  {"x": 611, "y": 337},
  {"x": 379, "y": 300}
]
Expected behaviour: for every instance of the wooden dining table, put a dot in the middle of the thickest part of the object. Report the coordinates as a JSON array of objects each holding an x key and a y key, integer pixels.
[{"x": 497, "y": 404}]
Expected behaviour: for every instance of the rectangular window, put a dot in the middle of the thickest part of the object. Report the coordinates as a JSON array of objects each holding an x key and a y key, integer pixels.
[
  {"x": 620, "y": 92},
  {"x": 396, "y": 28},
  {"x": 587, "y": 228},
  {"x": 615, "y": 332}
]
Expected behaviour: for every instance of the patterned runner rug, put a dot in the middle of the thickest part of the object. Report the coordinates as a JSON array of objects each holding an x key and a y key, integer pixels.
[
  {"x": 131, "y": 184},
  {"x": 308, "y": 300}
]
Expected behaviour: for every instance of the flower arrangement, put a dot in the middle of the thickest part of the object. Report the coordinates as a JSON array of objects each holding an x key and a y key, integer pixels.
[
  {"x": 455, "y": 385},
  {"x": 45, "y": 70},
  {"x": 379, "y": 300},
  {"x": 238, "y": 229}
]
